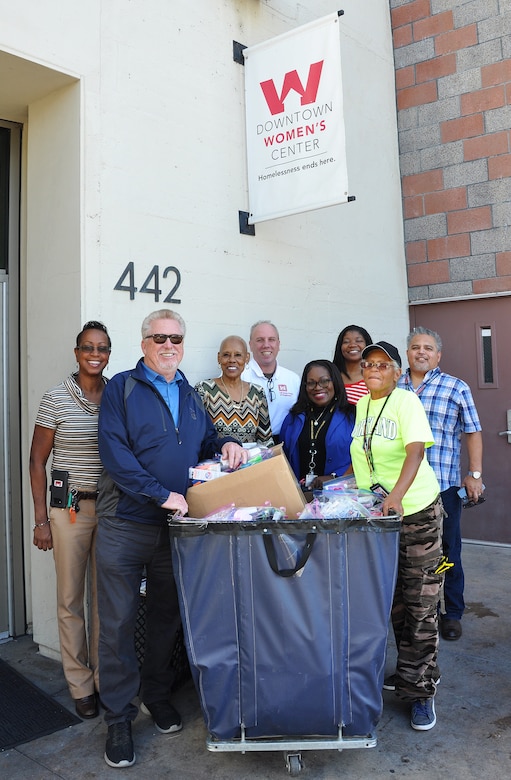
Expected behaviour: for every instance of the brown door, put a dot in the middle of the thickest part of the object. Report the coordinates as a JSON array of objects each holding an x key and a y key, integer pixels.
[{"x": 475, "y": 336}]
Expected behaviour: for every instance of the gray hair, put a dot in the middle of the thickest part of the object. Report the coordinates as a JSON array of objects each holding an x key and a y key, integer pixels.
[
  {"x": 263, "y": 322},
  {"x": 162, "y": 314},
  {"x": 420, "y": 331}
]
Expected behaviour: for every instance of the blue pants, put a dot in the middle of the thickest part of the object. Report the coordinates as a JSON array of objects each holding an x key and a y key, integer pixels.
[
  {"x": 451, "y": 541},
  {"x": 123, "y": 549}
]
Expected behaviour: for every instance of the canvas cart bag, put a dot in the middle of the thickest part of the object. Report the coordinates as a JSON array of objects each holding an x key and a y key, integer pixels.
[{"x": 297, "y": 649}]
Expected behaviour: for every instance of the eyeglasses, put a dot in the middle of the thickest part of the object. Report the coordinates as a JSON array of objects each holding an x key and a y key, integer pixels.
[
  {"x": 379, "y": 366},
  {"x": 161, "y": 338},
  {"x": 271, "y": 391},
  {"x": 323, "y": 383},
  {"x": 89, "y": 348}
]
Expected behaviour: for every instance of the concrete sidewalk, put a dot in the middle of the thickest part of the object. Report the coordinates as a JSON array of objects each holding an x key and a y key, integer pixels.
[{"x": 472, "y": 738}]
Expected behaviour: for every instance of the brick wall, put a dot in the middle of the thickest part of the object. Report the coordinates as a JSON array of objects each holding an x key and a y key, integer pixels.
[{"x": 453, "y": 84}]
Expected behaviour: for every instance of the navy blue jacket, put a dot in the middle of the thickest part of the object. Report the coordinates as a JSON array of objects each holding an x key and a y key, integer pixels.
[
  {"x": 337, "y": 442},
  {"x": 144, "y": 454}
]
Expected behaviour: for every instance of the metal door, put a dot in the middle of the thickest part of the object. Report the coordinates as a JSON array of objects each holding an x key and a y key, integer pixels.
[
  {"x": 475, "y": 336},
  {"x": 12, "y": 595}
]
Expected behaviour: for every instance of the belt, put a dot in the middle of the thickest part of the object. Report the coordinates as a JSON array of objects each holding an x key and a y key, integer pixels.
[{"x": 81, "y": 496}]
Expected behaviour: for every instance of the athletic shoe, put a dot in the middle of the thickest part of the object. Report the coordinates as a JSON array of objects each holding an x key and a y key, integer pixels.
[
  {"x": 423, "y": 714},
  {"x": 119, "y": 745},
  {"x": 166, "y": 718},
  {"x": 389, "y": 683}
]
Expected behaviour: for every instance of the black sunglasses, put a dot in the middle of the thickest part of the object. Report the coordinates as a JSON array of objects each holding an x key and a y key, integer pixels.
[
  {"x": 89, "y": 348},
  {"x": 161, "y": 338}
]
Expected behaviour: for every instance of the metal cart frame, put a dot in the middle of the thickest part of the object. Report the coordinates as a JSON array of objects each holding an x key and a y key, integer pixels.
[{"x": 292, "y": 748}]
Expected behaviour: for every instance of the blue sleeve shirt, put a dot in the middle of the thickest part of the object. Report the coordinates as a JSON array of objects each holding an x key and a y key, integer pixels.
[
  {"x": 451, "y": 411},
  {"x": 169, "y": 391}
]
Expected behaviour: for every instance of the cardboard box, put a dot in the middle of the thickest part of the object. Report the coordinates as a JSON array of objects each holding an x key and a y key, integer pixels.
[{"x": 270, "y": 481}]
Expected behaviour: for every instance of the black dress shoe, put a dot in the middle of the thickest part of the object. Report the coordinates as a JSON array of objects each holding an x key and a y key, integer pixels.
[
  {"x": 450, "y": 628},
  {"x": 87, "y": 707}
]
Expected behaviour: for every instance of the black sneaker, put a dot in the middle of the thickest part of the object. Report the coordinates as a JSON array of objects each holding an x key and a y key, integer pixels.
[
  {"x": 389, "y": 682},
  {"x": 119, "y": 750},
  {"x": 166, "y": 718}
]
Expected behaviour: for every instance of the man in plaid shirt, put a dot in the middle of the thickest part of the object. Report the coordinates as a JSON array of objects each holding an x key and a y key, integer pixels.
[{"x": 451, "y": 411}]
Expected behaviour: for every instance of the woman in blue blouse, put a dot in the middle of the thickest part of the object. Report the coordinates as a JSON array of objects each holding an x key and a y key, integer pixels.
[{"x": 317, "y": 431}]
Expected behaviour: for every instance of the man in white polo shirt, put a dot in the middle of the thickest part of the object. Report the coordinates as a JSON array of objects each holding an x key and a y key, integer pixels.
[{"x": 280, "y": 385}]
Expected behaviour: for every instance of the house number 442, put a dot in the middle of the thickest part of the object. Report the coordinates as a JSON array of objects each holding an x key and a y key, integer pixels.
[{"x": 151, "y": 285}]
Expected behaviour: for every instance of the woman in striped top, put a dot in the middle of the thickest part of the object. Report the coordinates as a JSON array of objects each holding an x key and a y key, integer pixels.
[
  {"x": 67, "y": 426},
  {"x": 348, "y": 354}
]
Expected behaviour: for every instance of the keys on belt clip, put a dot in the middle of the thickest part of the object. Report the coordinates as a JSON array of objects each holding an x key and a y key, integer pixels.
[{"x": 72, "y": 504}]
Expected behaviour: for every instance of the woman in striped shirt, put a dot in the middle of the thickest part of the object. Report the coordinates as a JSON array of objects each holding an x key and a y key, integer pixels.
[
  {"x": 67, "y": 426},
  {"x": 347, "y": 356}
]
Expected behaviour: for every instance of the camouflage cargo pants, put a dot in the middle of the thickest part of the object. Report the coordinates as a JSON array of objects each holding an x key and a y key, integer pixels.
[{"x": 414, "y": 609}]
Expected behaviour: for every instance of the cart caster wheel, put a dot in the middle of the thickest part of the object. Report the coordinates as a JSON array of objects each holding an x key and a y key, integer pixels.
[{"x": 294, "y": 764}]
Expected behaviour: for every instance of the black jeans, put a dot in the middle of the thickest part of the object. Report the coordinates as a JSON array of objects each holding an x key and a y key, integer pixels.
[
  {"x": 454, "y": 584},
  {"x": 123, "y": 549}
]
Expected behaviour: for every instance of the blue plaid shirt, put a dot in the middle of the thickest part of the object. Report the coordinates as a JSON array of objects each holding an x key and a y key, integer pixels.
[{"x": 451, "y": 411}]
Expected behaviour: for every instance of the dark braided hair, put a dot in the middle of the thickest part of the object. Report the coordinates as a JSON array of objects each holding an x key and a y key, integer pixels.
[
  {"x": 93, "y": 325},
  {"x": 339, "y": 359}
]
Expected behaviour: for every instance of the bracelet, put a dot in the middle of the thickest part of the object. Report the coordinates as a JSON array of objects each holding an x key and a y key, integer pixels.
[{"x": 40, "y": 525}]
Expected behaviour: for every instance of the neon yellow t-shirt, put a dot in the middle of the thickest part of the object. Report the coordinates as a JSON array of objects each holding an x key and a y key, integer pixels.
[{"x": 402, "y": 421}]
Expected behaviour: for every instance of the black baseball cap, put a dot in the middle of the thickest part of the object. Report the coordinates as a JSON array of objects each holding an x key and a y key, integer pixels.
[{"x": 389, "y": 350}]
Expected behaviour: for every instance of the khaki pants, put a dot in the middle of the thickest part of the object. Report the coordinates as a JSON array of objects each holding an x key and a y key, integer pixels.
[{"x": 74, "y": 555}]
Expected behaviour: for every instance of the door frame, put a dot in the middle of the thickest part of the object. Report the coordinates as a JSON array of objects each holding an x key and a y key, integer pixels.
[{"x": 13, "y": 604}]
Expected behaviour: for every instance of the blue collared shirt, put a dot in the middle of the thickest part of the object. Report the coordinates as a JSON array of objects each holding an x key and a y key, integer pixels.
[
  {"x": 168, "y": 390},
  {"x": 451, "y": 411}
]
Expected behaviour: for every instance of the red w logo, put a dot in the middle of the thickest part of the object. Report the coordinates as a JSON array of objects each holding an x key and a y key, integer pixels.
[{"x": 292, "y": 81}]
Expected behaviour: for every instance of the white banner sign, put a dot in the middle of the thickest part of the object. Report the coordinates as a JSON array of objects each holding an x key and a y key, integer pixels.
[{"x": 295, "y": 124}]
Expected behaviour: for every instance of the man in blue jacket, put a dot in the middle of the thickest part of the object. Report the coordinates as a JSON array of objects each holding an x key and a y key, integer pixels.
[{"x": 152, "y": 428}]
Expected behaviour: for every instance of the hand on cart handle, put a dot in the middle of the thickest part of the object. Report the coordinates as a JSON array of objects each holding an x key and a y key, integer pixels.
[
  {"x": 176, "y": 502},
  {"x": 392, "y": 505}
]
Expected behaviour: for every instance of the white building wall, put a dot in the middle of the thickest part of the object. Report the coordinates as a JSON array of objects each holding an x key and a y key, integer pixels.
[{"x": 147, "y": 165}]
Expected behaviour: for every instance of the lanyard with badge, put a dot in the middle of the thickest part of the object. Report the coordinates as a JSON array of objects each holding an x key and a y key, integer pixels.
[
  {"x": 316, "y": 426},
  {"x": 367, "y": 447}
]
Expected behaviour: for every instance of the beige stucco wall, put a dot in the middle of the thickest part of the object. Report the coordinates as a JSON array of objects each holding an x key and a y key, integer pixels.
[{"x": 136, "y": 153}]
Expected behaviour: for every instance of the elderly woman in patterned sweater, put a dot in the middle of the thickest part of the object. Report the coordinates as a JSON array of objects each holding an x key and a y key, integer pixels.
[
  {"x": 67, "y": 425},
  {"x": 237, "y": 408}
]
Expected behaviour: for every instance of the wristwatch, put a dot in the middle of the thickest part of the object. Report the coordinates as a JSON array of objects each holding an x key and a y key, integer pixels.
[{"x": 475, "y": 474}]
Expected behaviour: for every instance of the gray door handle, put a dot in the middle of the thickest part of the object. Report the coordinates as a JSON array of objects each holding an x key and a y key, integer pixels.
[{"x": 505, "y": 433}]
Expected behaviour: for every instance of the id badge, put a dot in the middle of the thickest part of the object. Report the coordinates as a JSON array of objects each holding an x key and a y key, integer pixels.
[
  {"x": 379, "y": 490},
  {"x": 309, "y": 479}
]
